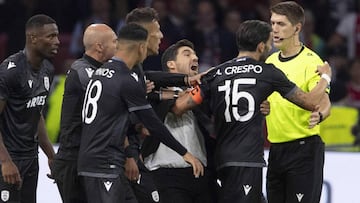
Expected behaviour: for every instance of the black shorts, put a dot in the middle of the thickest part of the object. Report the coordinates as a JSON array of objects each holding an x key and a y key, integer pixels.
[
  {"x": 240, "y": 185},
  {"x": 108, "y": 190},
  {"x": 68, "y": 181},
  {"x": 29, "y": 171},
  {"x": 144, "y": 188},
  {"x": 295, "y": 171}
]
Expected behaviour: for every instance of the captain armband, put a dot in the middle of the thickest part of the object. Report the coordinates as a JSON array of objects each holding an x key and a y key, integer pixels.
[{"x": 196, "y": 95}]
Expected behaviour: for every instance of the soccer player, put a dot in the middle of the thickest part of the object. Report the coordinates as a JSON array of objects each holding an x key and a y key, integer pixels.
[
  {"x": 25, "y": 79},
  {"x": 296, "y": 159},
  {"x": 235, "y": 90},
  {"x": 100, "y": 44},
  {"x": 112, "y": 94}
]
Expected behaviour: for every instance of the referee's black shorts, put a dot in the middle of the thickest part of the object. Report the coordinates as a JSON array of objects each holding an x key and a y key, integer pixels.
[{"x": 295, "y": 171}]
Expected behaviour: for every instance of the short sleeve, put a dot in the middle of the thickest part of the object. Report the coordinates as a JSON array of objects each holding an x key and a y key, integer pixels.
[
  {"x": 133, "y": 94},
  {"x": 281, "y": 83}
]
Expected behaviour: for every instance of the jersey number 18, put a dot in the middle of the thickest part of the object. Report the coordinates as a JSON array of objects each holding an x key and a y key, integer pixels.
[{"x": 92, "y": 95}]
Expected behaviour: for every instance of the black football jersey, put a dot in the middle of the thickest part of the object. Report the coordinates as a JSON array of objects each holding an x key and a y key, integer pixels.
[
  {"x": 235, "y": 90},
  {"x": 25, "y": 91},
  {"x": 76, "y": 82},
  {"x": 114, "y": 92}
]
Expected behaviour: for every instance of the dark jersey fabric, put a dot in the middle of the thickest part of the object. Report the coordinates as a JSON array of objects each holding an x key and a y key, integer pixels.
[
  {"x": 76, "y": 82},
  {"x": 112, "y": 94},
  {"x": 25, "y": 91},
  {"x": 235, "y": 90}
]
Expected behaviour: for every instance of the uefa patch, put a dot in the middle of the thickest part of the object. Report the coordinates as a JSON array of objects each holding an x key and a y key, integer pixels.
[
  {"x": 5, "y": 195},
  {"x": 155, "y": 196},
  {"x": 47, "y": 83}
]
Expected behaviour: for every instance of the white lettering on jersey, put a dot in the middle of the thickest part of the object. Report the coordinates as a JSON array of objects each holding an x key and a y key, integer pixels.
[
  {"x": 11, "y": 65},
  {"x": 135, "y": 76},
  {"x": 243, "y": 69},
  {"x": 36, "y": 101},
  {"x": 105, "y": 72}
]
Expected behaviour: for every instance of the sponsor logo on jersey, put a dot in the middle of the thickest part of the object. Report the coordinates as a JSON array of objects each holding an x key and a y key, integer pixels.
[
  {"x": 30, "y": 82},
  {"x": 46, "y": 83},
  {"x": 247, "y": 189},
  {"x": 135, "y": 76},
  {"x": 243, "y": 69},
  {"x": 11, "y": 65},
  {"x": 108, "y": 185},
  {"x": 36, "y": 101},
  {"x": 5, "y": 195},
  {"x": 299, "y": 196}
]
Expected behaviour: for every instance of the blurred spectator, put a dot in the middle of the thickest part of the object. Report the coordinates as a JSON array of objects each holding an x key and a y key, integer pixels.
[
  {"x": 348, "y": 31},
  {"x": 232, "y": 21},
  {"x": 100, "y": 13},
  {"x": 309, "y": 37},
  {"x": 353, "y": 86},
  {"x": 339, "y": 63},
  {"x": 213, "y": 44},
  {"x": 175, "y": 26}
]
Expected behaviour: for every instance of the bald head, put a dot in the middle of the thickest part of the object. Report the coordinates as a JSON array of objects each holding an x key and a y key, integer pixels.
[{"x": 99, "y": 42}]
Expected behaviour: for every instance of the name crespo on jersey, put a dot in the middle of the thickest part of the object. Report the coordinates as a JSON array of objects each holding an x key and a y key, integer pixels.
[
  {"x": 243, "y": 69},
  {"x": 36, "y": 101}
]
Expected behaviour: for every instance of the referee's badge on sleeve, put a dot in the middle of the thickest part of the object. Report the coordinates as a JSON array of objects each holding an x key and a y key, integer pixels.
[{"x": 46, "y": 83}]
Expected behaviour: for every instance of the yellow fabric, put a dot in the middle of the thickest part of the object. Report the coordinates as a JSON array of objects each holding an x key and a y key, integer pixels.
[
  {"x": 336, "y": 129},
  {"x": 287, "y": 121},
  {"x": 53, "y": 116}
]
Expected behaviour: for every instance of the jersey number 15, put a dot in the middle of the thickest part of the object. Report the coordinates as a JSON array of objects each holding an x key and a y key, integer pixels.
[{"x": 232, "y": 102}]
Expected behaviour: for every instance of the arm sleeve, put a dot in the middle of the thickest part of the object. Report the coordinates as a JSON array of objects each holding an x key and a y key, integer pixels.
[
  {"x": 166, "y": 79},
  {"x": 135, "y": 98},
  {"x": 132, "y": 151},
  {"x": 157, "y": 128}
]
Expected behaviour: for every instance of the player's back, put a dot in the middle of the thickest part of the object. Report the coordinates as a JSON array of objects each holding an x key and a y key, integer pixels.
[{"x": 236, "y": 90}]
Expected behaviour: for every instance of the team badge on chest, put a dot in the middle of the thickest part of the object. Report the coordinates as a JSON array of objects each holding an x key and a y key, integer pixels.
[{"x": 47, "y": 83}]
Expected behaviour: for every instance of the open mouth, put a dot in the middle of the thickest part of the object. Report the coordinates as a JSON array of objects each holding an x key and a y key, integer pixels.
[{"x": 194, "y": 67}]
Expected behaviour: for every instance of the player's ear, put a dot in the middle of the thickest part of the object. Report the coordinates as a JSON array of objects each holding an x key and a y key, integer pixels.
[
  {"x": 171, "y": 65},
  {"x": 261, "y": 47}
]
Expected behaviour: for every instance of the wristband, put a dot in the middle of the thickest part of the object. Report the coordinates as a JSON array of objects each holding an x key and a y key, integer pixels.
[
  {"x": 176, "y": 94},
  {"x": 321, "y": 117},
  {"x": 160, "y": 96},
  {"x": 196, "y": 95},
  {"x": 326, "y": 77}
]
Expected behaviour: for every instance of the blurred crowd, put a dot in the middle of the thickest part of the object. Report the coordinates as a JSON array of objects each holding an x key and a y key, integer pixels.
[{"x": 332, "y": 29}]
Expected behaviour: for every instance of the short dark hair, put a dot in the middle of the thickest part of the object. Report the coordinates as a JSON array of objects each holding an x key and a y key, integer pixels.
[
  {"x": 142, "y": 15},
  {"x": 38, "y": 21},
  {"x": 250, "y": 33},
  {"x": 133, "y": 32},
  {"x": 171, "y": 52},
  {"x": 292, "y": 10}
]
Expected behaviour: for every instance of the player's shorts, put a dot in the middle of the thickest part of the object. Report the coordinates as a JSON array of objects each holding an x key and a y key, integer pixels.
[
  {"x": 108, "y": 190},
  {"x": 29, "y": 171}
]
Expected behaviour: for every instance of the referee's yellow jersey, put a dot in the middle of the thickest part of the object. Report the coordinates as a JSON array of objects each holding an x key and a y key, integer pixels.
[{"x": 287, "y": 121}]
